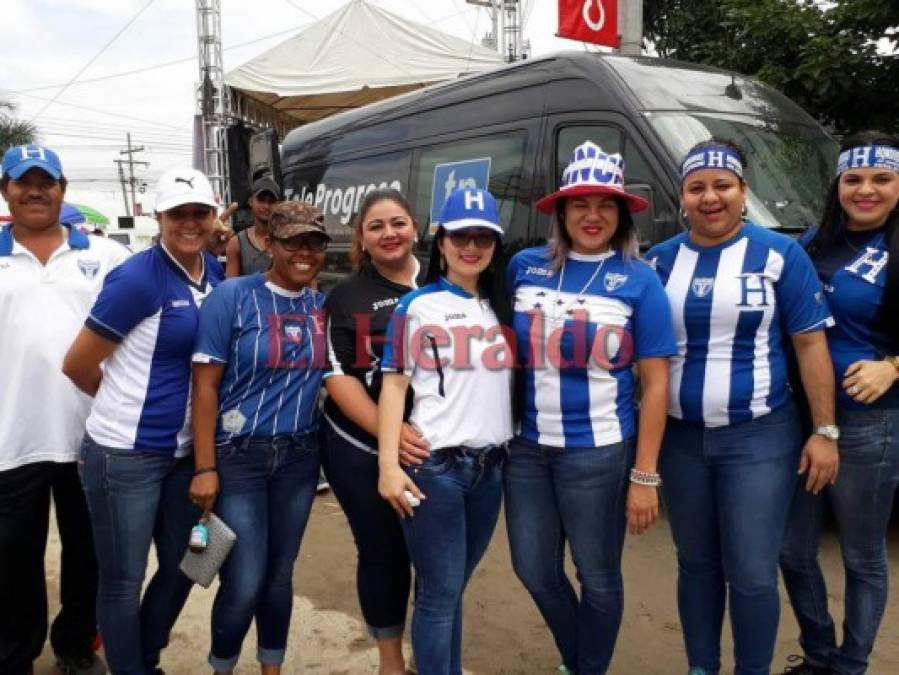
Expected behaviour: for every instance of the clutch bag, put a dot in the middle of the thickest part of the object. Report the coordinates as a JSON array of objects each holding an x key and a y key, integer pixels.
[{"x": 202, "y": 567}]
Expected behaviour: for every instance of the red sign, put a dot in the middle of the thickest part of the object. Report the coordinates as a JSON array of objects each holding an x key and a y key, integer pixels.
[{"x": 593, "y": 21}]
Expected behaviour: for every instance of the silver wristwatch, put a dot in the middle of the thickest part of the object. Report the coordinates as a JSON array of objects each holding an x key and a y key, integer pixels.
[{"x": 830, "y": 431}]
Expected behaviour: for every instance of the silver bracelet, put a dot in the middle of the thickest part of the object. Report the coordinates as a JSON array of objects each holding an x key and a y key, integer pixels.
[{"x": 645, "y": 478}]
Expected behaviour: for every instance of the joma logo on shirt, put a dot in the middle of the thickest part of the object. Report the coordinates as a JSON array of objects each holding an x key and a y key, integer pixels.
[
  {"x": 539, "y": 271},
  {"x": 456, "y": 316},
  {"x": 386, "y": 302}
]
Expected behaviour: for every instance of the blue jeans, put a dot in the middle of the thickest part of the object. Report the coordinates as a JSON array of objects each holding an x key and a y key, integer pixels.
[
  {"x": 728, "y": 490},
  {"x": 862, "y": 499},
  {"x": 446, "y": 538},
  {"x": 135, "y": 498},
  {"x": 267, "y": 488},
  {"x": 574, "y": 494}
]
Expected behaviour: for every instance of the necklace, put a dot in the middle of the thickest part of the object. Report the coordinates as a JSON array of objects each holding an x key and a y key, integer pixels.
[{"x": 559, "y": 306}]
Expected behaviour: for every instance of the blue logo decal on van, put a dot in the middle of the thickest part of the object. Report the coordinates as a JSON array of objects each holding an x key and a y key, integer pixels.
[{"x": 454, "y": 175}]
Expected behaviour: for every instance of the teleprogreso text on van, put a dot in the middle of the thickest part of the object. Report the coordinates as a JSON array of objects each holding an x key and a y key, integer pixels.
[{"x": 512, "y": 130}]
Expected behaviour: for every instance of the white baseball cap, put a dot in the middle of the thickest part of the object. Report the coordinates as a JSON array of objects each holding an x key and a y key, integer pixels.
[{"x": 183, "y": 186}]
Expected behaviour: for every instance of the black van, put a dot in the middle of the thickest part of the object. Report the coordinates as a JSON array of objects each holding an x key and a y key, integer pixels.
[{"x": 512, "y": 130}]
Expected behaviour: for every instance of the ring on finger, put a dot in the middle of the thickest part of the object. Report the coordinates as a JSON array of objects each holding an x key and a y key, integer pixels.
[{"x": 853, "y": 390}]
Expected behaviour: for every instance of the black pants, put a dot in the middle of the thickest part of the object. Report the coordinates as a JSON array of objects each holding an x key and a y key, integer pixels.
[
  {"x": 24, "y": 519},
  {"x": 383, "y": 572}
]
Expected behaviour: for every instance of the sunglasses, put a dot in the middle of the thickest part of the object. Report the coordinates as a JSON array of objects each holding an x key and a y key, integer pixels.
[
  {"x": 482, "y": 239},
  {"x": 311, "y": 242}
]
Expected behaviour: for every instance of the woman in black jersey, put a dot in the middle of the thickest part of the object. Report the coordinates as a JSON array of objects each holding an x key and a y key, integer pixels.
[{"x": 359, "y": 309}]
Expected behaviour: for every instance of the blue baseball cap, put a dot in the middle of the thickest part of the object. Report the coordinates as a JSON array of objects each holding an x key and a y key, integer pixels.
[
  {"x": 21, "y": 158},
  {"x": 470, "y": 207}
]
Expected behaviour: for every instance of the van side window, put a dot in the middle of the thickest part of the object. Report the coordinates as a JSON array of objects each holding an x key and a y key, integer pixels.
[{"x": 494, "y": 162}]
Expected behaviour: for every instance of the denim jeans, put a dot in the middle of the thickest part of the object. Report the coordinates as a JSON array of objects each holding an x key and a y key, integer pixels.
[
  {"x": 136, "y": 498},
  {"x": 861, "y": 500},
  {"x": 267, "y": 487},
  {"x": 576, "y": 494},
  {"x": 383, "y": 573},
  {"x": 446, "y": 538},
  {"x": 728, "y": 490}
]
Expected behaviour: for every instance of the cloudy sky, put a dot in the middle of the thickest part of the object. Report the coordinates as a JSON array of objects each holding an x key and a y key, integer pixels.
[{"x": 131, "y": 65}]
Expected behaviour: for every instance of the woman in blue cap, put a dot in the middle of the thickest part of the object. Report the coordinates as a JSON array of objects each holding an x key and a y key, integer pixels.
[
  {"x": 581, "y": 468},
  {"x": 855, "y": 251},
  {"x": 446, "y": 340},
  {"x": 732, "y": 443}
]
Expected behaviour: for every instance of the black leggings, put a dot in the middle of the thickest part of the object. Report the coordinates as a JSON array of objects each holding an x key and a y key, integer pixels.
[{"x": 383, "y": 571}]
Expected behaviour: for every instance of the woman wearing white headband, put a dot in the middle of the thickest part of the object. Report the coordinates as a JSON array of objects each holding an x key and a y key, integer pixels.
[
  {"x": 586, "y": 310},
  {"x": 732, "y": 444},
  {"x": 856, "y": 254}
]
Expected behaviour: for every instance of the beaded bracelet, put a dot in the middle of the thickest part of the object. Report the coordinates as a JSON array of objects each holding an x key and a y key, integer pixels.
[{"x": 645, "y": 478}]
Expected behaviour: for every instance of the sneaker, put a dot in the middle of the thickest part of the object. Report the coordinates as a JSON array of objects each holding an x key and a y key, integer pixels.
[
  {"x": 564, "y": 670},
  {"x": 323, "y": 484},
  {"x": 84, "y": 665},
  {"x": 697, "y": 671},
  {"x": 803, "y": 667}
]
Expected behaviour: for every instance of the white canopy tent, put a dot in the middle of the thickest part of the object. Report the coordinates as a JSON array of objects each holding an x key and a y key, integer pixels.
[{"x": 357, "y": 55}]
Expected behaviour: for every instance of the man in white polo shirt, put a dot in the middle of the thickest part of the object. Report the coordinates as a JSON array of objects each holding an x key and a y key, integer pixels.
[{"x": 50, "y": 275}]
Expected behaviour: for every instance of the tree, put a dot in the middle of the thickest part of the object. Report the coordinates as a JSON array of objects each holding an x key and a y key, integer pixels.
[
  {"x": 826, "y": 56},
  {"x": 13, "y": 131}
]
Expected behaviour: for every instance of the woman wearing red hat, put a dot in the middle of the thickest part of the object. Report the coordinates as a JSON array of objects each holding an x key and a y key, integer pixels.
[{"x": 581, "y": 467}]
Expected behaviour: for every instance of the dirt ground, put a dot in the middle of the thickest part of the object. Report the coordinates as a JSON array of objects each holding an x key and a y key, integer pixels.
[{"x": 504, "y": 634}]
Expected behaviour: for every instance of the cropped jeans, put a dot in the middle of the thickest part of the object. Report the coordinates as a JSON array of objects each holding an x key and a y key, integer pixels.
[
  {"x": 446, "y": 538},
  {"x": 728, "y": 491},
  {"x": 267, "y": 487},
  {"x": 861, "y": 500},
  {"x": 136, "y": 498},
  {"x": 558, "y": 494}
]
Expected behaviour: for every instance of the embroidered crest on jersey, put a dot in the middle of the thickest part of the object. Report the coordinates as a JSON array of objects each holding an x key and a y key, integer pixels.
[
  {"x": 869, "y": 265},
  {"x": 702, "y": 286},
  {"x": 89, "y": 268},
  {"x": 293, "y": 332},
  {"x": 613, "y": 281},
  {"x": 233, "y": 421}
]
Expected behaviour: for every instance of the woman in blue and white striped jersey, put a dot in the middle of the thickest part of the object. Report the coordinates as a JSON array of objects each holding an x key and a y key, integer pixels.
[
  {"x": 855, "y": 251},
  {"x": 583, "y": 466},
  {"x": 258, "y": 363},
  {"x": 732, "y": 444}
]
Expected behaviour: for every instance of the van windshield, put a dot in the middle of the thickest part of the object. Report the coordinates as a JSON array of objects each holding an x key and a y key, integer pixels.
[{"x": 790, "y": 165}]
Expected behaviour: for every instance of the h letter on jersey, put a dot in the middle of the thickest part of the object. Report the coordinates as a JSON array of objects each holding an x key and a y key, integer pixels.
[{"x": 874, "y": 260}]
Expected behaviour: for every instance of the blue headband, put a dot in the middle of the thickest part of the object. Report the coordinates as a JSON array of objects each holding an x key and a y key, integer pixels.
[
  {"x": 712, "y": 157},
  {"x": 869, "y": 157}
]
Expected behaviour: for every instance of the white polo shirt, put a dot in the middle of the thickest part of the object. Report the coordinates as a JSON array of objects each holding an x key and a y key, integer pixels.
[{"x": 42, "y": 308}]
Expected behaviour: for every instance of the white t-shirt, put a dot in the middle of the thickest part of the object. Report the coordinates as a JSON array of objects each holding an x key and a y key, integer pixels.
[
  {"x": 452, "y": 347},
  {"x": 42, "y": 309}
]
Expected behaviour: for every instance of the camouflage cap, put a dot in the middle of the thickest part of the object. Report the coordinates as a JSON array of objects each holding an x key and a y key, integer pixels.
[{"x": 291, "y": 218}]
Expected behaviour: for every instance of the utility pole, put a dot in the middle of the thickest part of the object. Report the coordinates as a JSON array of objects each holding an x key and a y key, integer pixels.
[
  {"x": 119, "y": 162},
  {"x": 131, "y": 151},
  {"x": 631, "y": 23}
]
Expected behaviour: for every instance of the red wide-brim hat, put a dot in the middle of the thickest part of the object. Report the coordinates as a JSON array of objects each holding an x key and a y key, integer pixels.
[{"x": 547, "y": 204}]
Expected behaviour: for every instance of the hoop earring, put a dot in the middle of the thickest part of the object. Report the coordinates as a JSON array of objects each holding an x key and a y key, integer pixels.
[
  {"x": 744, "y": 210},
  {"x": 683, "y": 214}
]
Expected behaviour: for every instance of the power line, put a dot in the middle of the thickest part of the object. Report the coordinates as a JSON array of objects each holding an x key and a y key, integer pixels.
[
  {"x": 96, "y": 56},
  {"x": 164, "y": 64}
]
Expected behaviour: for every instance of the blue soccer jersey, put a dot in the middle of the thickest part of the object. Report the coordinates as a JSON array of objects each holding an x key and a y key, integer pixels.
[
  {"x": 579, "y": 330},
  {"x": 149, "y": 306},
  {"x": 272, "y": 342},
  {"x": 733, "y": 305},
  {"x": 854, "y": 272}
]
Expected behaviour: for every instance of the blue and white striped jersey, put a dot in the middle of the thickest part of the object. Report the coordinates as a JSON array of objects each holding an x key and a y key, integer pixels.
[
  {"x": 150, "y": 306},
  {"x": 578, "y": 339},
  {"x": 733, "y": 305},
  {"x": 272, "y": 342},
  {"x": 454, "y": 349},
  {"x": 854, "y": 273}
]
